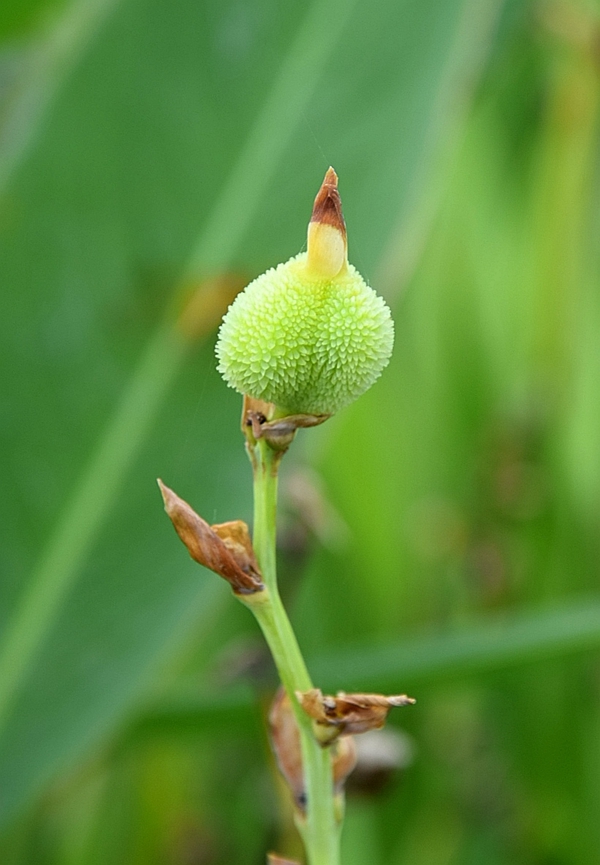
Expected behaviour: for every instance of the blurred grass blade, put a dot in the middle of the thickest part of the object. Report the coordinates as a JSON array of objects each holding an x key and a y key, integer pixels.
[
  {"x": 85, "y": 512},
  {"x": 499, "y": 643},
  {"x": 260, "y": 159},
  {"x": 46, "y": 67},
  {"x": 496, "y": 644},
  {"x": 161, "y": 361}
]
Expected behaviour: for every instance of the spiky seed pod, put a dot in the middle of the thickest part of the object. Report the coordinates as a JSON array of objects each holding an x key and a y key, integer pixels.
[{"x": 309, "y": 335}]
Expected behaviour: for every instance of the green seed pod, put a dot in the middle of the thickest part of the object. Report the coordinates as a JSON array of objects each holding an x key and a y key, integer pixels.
[{"x": 309, "y": 335}]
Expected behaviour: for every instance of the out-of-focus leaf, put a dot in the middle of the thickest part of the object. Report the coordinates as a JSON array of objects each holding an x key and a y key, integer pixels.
[
  {"x": 32, "y": 70},
  {"x": 188, "y": 140},
  {"x": 19, "y": 17},
  {"x": 498, "y": 643}
]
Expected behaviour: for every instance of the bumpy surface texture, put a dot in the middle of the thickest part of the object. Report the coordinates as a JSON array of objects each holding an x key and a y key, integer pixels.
[{"x": 309, "y": 346}]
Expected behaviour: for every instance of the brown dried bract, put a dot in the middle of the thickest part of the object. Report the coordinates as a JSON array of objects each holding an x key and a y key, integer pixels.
[
  {"x": 327, "y": 209},
  {"x": 348, "y": 713},
  {"x": 279, "y": 433},
  {"x": 285, "y": 739},
  {"x": 236, "y": 537},
  {"x": 343, "y": 757},
  {"x": 225, "y": 548},
  {"x": 255, "y": 412}
]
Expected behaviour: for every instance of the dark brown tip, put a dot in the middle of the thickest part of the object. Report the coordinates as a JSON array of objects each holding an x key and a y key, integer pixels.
[{"x": 327, "y": 208}]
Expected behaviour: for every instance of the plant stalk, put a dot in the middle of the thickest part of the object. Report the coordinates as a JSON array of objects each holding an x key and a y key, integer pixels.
[{"x": 319, "y": 828}]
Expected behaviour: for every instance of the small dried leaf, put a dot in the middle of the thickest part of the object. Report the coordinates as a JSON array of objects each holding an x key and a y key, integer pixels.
[
  {"x": 285, "y": 739},
  {"x": 343, "y": 757},
  {"x": 348, "y": 713},
  {"x": 274, "y": 859},
  {"x": 255, "y": 412},
  {"x": 280, "y": 433},
  {"x": 226, "y": 548},
  {"x": 236, "y": 537}
]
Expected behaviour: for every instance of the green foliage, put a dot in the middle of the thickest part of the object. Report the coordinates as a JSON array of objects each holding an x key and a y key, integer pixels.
[{"x": 456, "y": 553}]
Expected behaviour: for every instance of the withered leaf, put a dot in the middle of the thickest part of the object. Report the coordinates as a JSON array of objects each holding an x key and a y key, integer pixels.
[
  {"x": 236, "y": 537},
  {"x": 285, "y": 739},
  {"x": 348, "y": 713},
  {"x": 255, "y": 412},
  {"x": 343, "y": 757},
  {"x": 279, "y": 433},
  {"x": 225, "y": 548}
]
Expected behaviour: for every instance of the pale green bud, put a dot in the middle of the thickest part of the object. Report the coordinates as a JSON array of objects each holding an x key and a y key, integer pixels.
[{"x": 309, "y": 335}]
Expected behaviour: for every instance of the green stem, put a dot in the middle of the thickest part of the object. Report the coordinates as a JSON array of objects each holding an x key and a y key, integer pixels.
[{"x": 319, "y": 829}]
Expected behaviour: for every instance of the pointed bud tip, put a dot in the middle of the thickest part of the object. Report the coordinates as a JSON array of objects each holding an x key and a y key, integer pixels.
[
  {"x": 327, "y": 245},
  {"x": 168, "y": 496},
  {"x": 402, "y": 700},
  {"x": 331, "y": 178},
  {"x": 174, "y": 506},
  {"x": 327, "y": 209}
]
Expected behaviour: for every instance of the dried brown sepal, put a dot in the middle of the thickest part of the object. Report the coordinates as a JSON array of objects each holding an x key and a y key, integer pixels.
[
  {"x": 343, "y": 758},
  {"x": 285, "y": 740},
  {"x": 327, "y": 209},
  {"x": 274, "y": 859},
  {"x": 348, "y": 713},
  {"x": 236, "y": 537},
  {"x": 280, "y": 433},
  {"x": 255, "y": 412},
  {"x": 258, "y": 422},
  {"x": 225, "y": 549}
]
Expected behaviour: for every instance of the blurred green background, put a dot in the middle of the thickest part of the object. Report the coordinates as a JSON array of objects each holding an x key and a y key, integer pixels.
[{"x": 441, "y": 536}]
